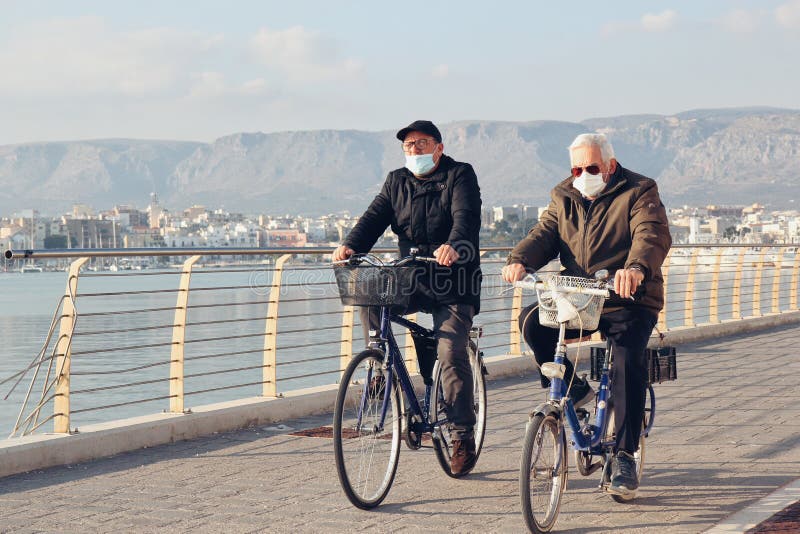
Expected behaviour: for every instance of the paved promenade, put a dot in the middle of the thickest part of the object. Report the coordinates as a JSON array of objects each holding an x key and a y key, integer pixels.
[{"x": 726, "y": 435}]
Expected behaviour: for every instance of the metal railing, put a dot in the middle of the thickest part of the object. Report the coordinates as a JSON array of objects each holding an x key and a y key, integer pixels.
[{"x": 249, "y": 322}]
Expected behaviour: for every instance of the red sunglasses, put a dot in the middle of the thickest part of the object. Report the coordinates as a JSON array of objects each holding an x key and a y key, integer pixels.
[{"x": 591, "y": 169}]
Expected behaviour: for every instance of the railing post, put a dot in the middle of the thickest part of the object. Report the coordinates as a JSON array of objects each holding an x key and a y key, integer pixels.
[
  {"x": 411, "y": 349},
  {"x": 795, "y": 279},
  {"x": 515, "y": 346},
  {"x": 662, "y": 315},
  {"x": 346, "y": 346},
  {"x": 179, "y": 338},
  {"x": 736, "y": 304},
  {"x": 688, "y": 309},
  {"x": 776, "y": 282},
  {"x": 61, "y": 412},
  {"x": 713, "y": 306},
  {"x": 270, "y": 375},
  {"x": 757, "y": 283}
]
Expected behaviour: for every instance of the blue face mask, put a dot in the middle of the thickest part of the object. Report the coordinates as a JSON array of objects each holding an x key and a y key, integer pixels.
[{"x": 421, "y": 164}]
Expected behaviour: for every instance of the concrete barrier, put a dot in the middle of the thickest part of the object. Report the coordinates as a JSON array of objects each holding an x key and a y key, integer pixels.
[{"x": 28, "y": 453}]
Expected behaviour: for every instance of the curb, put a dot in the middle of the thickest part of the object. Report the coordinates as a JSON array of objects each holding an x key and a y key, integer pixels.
[{"x": 761, "y": 510}]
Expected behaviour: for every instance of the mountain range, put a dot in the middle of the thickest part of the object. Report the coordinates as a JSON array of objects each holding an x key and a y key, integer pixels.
[{"x": 715, "y": 156}]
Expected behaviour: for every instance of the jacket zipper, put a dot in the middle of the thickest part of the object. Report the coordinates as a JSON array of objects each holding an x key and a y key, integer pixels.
[{"x": 585, "y": 237}]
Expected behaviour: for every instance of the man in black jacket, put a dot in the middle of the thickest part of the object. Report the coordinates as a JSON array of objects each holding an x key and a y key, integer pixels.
[{"x": 434, "y": 204}]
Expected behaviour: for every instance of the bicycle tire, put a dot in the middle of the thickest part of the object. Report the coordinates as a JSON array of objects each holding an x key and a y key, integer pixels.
[
  {"x": 442, "y": 444},
  {"x": 649, "y": 409},
  {"x": 366, "y": 459},
  {"x": 543, "y": 472}
]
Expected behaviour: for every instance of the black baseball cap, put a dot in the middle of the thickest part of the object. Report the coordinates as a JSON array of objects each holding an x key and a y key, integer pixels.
[{"x": 421, "y": 126}]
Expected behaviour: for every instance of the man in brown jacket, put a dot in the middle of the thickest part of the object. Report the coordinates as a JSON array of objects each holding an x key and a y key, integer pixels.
[{"x": 603, "y": 217}]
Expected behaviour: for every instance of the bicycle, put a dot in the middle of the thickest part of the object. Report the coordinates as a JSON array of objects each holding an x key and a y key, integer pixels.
[
  {"x": 376, "y": 403},
  {"x": 567, "y": 302}
]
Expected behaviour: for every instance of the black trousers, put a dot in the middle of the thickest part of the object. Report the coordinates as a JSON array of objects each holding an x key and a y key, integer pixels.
[
  {"x": 629, "y": 331},
  {"x": 452, "y": 323}
]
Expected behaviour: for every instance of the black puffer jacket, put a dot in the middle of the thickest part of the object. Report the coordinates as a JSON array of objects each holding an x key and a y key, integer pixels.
[{"x": 444, "y": 207}]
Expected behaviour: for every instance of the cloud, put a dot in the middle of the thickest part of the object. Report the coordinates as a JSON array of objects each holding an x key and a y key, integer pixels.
[
  {"x": 649, "y": 22},
  {"x": 440, "y": 71},
  {"x": 256, "y": 86},
  {"x": 788, "y": 15},
  {"x": 658, "y": 22},
  {"x": 83, "y": 55},
  {"x": 213, "y": 84},
  {"x": 303, "y": 55},
  {"x": 740, "y": 21}
]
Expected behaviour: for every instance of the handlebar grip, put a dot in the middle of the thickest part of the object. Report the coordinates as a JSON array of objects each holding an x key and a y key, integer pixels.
[{"x": 638, "y": 294}]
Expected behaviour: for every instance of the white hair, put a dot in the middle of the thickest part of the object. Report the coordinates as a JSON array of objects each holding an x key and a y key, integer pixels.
[{"x": 595, "y": 139}]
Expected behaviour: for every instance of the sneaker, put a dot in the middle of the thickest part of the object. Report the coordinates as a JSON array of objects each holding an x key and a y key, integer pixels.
[
  {"x": 623, "y": 477},
  {"x": 581, "y": 392},
  {"x": 464, "y": 458}
]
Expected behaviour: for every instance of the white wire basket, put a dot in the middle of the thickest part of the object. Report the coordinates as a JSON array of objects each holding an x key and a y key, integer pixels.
[{"x": 588, "y": 305}]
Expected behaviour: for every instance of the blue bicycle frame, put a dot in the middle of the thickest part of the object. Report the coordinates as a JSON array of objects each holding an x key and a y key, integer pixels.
[
  {"x": 587, "y": 442},
  {"x": 395, "y": 364}
]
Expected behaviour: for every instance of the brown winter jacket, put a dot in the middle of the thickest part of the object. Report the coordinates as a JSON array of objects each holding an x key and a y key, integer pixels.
[{"x": 625, "y": 225}]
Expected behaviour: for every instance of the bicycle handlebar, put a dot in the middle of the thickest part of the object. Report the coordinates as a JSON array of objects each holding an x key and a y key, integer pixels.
[
  {"x": 531, "y": 282},
  {"x": 357, "y": 259},
  {"x": 604, "y": 288}
]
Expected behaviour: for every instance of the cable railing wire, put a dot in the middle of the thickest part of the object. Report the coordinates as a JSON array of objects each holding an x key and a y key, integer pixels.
[
  {"x": 133, "y": 311},
  {"x": 124, "y": 348},
  {"x": 124, "y": 330},
  {"x": 318, "y": 359},
  {"x": 120, "y": 386},
  {"x": 221, "y": 388},
  {"x": 224, "y": 371},
  {"x": 311, "y": 375},
  {"x": 119, "y": 404},
  {"x": 223, "y": 354}
]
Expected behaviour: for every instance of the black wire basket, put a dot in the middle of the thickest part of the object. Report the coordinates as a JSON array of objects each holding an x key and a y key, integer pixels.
[{"x": 370, "y": 285}]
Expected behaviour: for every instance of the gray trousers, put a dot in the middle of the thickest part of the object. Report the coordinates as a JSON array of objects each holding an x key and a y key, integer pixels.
[{"x": 452, "y": 323}]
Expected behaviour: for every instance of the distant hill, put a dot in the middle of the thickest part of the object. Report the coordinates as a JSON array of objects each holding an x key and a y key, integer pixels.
[{"x": 724, "y": 156}]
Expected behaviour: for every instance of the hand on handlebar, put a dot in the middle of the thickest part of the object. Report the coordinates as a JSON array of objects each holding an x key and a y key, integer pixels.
[
  {"x": 342, "y": 253},
  {"x": 627, "y": 281},
  {"x": 445, "y": 255},
  {"x": 513, "y": 272}
]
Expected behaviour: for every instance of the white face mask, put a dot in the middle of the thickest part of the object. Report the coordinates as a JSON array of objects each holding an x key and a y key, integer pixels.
[
  {"x": 589, "y": 185},
  {"x": 421, "y": 164}
]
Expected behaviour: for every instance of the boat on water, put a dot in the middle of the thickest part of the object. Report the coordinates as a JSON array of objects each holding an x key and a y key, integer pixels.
[{"x": 30, "y": 269}]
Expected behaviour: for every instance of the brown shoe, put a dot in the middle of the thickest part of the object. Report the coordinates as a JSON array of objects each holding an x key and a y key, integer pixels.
[{"x": 464, "y": 458}]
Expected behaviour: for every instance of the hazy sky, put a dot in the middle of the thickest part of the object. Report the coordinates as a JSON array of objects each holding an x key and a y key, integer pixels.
[{"x": 198, "y": 70}]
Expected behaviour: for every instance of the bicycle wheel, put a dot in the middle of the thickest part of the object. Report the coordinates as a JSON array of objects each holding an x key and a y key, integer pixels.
[
  {"x": 649, "y": 409},
  {"x": 366, "y": 453},
  {"x": 543, "y": 472},
  {"x": 442, "y": 443}
]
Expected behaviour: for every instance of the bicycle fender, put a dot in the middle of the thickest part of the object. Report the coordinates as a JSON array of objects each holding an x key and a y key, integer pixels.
[{"x": 545, "y": 409}]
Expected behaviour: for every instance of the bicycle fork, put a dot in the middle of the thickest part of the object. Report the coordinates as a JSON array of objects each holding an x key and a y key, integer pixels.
[{"x": 372, "y": 388}]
